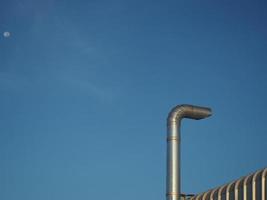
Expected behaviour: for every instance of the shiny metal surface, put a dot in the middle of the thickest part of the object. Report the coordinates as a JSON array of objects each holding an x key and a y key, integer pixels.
[
  {"x": 228, "y": 190},
  {"x": 212, "y": 194},
  {"x": 220, "y": 192},
  {"x": 245, "y": 187},
  {"x": 263, "y": 184},
  {"x": 254, "y": 186},
  {"x": 173, "y": 144},
  {"x": 251, "y": 187}
]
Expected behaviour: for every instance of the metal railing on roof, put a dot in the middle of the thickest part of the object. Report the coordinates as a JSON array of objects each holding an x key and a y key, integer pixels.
[{"x": 251, "y": 187}]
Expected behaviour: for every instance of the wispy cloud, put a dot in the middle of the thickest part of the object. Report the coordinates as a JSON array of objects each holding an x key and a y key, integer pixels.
[
  {"x": 66, "y": 38},
  {"x": 86, "y": 86},
  {"x": 12, "y": 82}
]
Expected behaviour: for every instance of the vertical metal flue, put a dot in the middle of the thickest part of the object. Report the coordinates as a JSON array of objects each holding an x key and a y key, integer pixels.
[{"x": 173, "y": 144}]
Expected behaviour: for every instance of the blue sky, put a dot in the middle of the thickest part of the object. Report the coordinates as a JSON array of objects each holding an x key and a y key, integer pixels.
[{"x": 86, "y": 86}]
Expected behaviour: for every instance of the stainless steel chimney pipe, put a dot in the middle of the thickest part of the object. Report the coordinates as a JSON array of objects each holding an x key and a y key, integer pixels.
[{"x": 173, "y": 144}]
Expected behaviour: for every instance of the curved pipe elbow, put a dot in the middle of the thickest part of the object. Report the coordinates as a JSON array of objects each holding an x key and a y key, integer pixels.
[{"x": 188, "y": 111}]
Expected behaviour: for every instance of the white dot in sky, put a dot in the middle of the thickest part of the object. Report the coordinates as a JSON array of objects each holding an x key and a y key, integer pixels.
[{"x": 6, "y": 34}]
